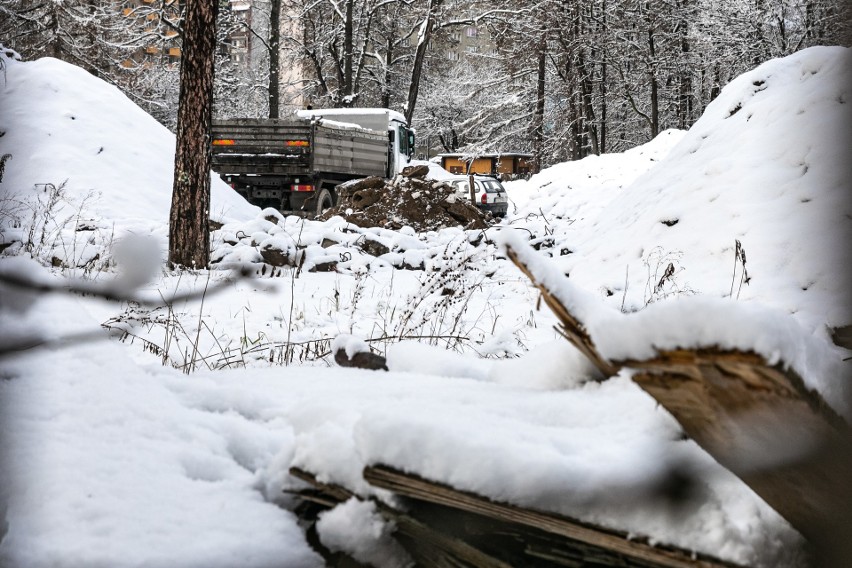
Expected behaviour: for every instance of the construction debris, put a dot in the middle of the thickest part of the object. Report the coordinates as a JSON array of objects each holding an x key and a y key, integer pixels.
[
  {"x": 406, "y": 200},
  {"x": 445, "y": 528}
]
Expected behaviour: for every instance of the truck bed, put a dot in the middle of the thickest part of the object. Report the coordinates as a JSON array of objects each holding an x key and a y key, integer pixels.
[{"x": 292, "y": 146}]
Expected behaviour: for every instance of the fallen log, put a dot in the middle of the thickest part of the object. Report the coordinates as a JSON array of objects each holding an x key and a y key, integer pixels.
[
  {"x": 763, "y": 425},
  {"x": 758, "y": 420}
]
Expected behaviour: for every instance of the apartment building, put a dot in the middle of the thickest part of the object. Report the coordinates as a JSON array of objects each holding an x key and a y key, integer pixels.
[
  {"x": 158, "y": 41},
  {"x": 468, "y": 42}
]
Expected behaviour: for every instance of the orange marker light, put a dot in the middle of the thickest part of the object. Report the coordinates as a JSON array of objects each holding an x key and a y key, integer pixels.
[{"x": 222, "y": 142}]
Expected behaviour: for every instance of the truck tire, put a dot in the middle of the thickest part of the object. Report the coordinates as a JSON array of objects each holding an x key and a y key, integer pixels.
[{"x": 324, "y": 201}]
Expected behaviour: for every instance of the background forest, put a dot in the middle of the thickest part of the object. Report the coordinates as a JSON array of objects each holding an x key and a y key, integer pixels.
[{"x": 558, "y": 79}]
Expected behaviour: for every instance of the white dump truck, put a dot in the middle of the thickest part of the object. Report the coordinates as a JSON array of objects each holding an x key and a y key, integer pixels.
[{"x": 294, "y": 164}]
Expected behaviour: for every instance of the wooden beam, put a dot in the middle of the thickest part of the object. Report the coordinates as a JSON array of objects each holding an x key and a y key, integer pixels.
[
  {"x": 735, "y": 406},
  {"x": 763, "y": 425},
  {"x": 570, "y": 327},
  {"x": 429, "y": 547},
  {"x": 610, "y": 544}
]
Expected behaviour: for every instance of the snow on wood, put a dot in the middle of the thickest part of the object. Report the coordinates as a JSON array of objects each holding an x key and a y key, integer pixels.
[
  {"x": 757, "y": 419},
  {"x": 441, "y": 526}
]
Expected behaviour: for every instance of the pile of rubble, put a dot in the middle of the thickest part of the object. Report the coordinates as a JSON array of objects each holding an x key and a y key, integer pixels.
[{"x": 408, "y": 199}]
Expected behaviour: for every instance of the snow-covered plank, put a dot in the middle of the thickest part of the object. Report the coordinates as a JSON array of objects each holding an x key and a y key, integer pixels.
[
  {"x": 762, "y": 424},
  {"x": 607, "y": 547},
  {"x": 759, "y": 420}
]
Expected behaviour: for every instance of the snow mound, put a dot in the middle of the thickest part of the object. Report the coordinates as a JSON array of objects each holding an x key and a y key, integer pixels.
[
  {"x": 579, "y": 189},
  {"x": 65, "y": 128},
  {"x": 752, "y": 203}
]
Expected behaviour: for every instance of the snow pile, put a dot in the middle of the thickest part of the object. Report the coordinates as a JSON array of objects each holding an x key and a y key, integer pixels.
[
  {"x": 356, "y": 527},
  {"x": 88, "y": 162},
  {"x": 579, "y": 190},
  {"x": 766, "y": 166}
]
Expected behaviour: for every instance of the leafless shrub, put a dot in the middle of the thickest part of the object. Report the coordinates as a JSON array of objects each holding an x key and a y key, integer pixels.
[
  {"x": 739, "y": 259},
  {"x": 663, "y": 269},
  {"x": 51, "y": 228}
]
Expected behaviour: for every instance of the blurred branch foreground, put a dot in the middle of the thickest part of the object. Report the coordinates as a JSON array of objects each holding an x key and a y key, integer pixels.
[{"x": 759, "y": 421}]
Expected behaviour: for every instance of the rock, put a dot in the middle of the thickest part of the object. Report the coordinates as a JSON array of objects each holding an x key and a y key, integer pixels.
[
  {"x": 373, "y": 247},
  {"x": 324, "y": 267},
  {"x": 275, "y": 257},
  {"x": 345, "y": 190},
  {"x": 365, "y": 197},
  {"x": 420, "y": 171}
]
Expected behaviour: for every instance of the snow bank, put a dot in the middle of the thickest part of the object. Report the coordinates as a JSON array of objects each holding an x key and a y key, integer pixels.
[
  {"x": 115, "y": 460},
  {"x": 766, "y": 165},
  {"x": 62, "y": 125}
]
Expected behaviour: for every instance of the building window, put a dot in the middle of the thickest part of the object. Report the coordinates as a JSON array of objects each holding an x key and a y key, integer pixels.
[
  {"x": 470, "y": 31},
  {"x": 453, "y": 55}
]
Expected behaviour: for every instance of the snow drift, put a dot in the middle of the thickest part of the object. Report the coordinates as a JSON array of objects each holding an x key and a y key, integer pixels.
[{"x": 766, "y": 165}]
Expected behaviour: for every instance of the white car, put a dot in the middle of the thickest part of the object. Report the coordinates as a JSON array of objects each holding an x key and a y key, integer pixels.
[{"x": 489, "y": 193}]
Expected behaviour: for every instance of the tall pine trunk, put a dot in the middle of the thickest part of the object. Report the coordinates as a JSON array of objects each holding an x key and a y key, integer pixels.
[
  {"x": 189, "y": 221},
  {"x": 274, "y": 59}
]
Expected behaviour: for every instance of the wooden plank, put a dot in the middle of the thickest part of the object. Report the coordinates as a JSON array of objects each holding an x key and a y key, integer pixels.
[
  {"x": 570, "y": 327},
  {"x": 735, "y": 405},
  {"x": 415, "y": 487},
  {"x": 429, "y": 547},
  {"x": 763, "y": 425}
]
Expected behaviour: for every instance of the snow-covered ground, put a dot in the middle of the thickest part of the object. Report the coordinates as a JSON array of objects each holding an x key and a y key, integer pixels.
[{"x": 113, "y": 456}]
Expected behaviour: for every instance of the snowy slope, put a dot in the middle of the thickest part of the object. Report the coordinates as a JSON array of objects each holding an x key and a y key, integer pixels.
[
  {"x": 767, "y": 164},
  {"x": 579, "y": 190},
  {"x": 62, "y": 124}
]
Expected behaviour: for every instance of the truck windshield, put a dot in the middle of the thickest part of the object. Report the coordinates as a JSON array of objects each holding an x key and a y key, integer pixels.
[{"x": 403, "y": 140}]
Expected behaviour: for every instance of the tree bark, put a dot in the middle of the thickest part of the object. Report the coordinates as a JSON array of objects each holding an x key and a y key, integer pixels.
[
  {"x": 420, "y": 54},
  {"x": 655, "y": 98},
  {"x": 189, "y": 221},
  {"x": 274, "y": 59},
  {"x": 348, "y": 46},
  {"x": 538, "y": 123}
]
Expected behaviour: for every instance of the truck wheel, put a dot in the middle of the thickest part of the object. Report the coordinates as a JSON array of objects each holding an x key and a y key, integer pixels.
[{"x": 324, "y": 201}]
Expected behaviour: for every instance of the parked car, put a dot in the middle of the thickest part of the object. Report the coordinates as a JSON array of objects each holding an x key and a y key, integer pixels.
[{"x": 490, "y": 195}]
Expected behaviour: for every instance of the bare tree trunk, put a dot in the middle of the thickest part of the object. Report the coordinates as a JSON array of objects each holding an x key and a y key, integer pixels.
[
  {"x": 538, "y": 123},
  {"x": 655, "y": 97},
  {"x": 422, "y": 46},
  {"x": 189, "y": 219},
  {"x": 348, "y": 46},
  {"x": 386, "y": 87},
  {"x": 603, "y": 82},
  {"x": 274, "y": 59}
]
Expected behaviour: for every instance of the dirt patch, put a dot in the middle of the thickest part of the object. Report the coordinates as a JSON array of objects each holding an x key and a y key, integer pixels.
[{"x": 406, "y": 200}]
